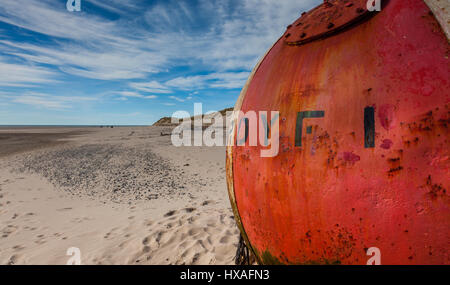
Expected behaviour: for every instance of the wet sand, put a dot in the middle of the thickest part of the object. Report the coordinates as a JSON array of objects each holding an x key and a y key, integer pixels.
[{"x": 14, "y": 141}]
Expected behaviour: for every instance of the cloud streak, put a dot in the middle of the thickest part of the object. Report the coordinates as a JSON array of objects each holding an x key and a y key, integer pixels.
[
  {"x": 234, "y": 35},
  {"x": 136, "y": 95},
  {"x": 24, "y": 75},
  {"x": 46, "y": 101}
]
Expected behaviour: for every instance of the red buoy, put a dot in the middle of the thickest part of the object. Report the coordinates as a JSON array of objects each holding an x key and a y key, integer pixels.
[{"x": 363, "y": 161}]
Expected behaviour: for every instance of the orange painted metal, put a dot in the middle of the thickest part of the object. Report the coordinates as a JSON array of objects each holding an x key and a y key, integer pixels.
[
  {"x": 370, "y": 165},
  {"x": 326, "y": 19}
]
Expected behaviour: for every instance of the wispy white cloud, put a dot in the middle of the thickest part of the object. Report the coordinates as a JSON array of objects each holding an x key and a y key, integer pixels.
[
  {"x": 24, "y": 75},
  {"x": 117, "y": 6},
  {"x": 136, "y": 95},
  {"x": 233, "y": 35},
  {"x": 228, "y": 80},
  {"x": 90, "y": 46},
  {"x": 89, "y": 62},
  {"x": 50, "y": 18},
  {"x": 40, "y": 101},
  {"x": 150, "y": 87},
  {"x": 177, "y": 98},
  {"x": 47, "y": 101}
]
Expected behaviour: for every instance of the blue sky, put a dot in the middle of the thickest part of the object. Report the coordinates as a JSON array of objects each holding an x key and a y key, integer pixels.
[{"x": 130, "y": 62}]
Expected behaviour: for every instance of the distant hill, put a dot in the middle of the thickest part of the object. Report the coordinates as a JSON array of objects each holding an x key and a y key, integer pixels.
[{"x": 167, "y": 121}]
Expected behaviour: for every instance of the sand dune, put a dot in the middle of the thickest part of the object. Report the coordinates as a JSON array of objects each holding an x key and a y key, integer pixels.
[{"x": 122, "y": 196}]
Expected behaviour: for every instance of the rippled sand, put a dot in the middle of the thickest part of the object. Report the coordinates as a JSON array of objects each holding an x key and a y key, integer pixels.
[{"x": 121, "y": 195}]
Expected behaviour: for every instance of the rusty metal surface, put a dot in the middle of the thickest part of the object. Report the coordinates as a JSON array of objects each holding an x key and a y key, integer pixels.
[
  {"x": 229, "y": 159},
  {"x": 327, "y": 19},
  {"x": 346, "y": 189}
]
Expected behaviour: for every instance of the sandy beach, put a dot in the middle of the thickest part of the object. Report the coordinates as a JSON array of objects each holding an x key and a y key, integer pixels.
[{"x": 121, "y": 195}]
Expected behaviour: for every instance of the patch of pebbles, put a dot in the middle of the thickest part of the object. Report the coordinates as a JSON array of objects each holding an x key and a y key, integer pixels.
[{"x": 113, "y": 172}]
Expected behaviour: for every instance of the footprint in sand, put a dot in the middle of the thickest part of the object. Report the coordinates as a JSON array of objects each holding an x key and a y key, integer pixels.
[
  {"x": 192, "y": 219},
  {"x": 206, "y": 203},
  {"x": 18, "y": 248},
  {"x": 169, "y": 214},
  {"x": 159, "y": 236},
  {"x": 194, "y": 231},
  {"x": 150, "y": 242},
  {"x": 8, "y": 231},
  {"x": 195, "y": 258},
  {"x": 64, "y": 209},
  {"x": 224, "y": 240},
  {"x": 146, "y": 240},
  {"x": 13, "y": 259},
  {"x": 211, "y": 223},
  {"x": 170, "y": 225},
  {"x": 124, "y": 244}
]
